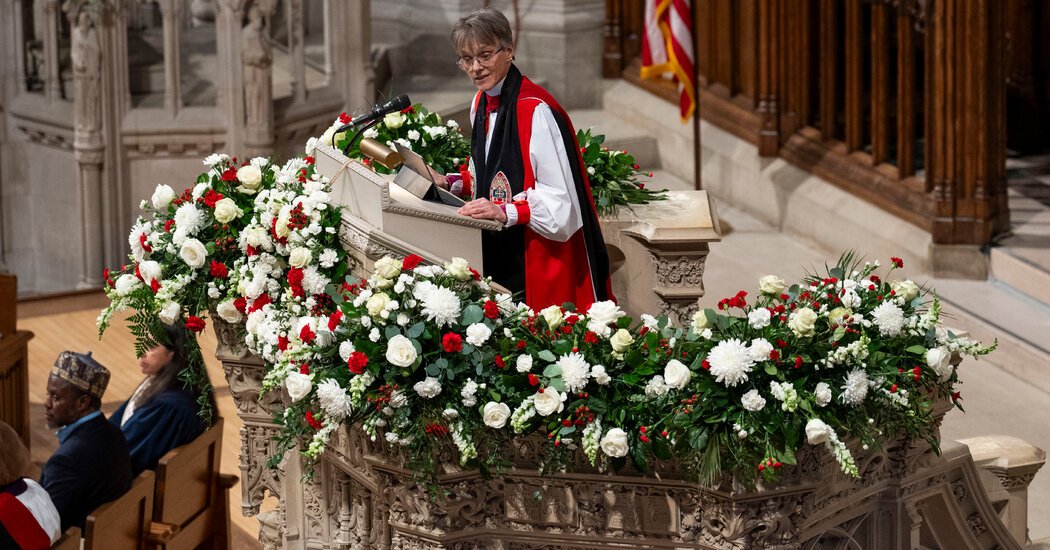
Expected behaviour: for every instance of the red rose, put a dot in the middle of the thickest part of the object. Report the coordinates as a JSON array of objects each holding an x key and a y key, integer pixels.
[
  {"x": 306, "y": 335},
  {"x": 491, "y": 309},
  {"x": 334, "y": 320},
  {"x": 313, "y": 422},
  {"x": 410, "y": 262},
  {"x": 452, "y": 342},
  {"x": 194, "y": 323},
  {"x": 590, "y": 337},
  {"x": 241, "y": 304},
  {"x": 357, "y": 362},
  {"x": 219, "y": 270}
]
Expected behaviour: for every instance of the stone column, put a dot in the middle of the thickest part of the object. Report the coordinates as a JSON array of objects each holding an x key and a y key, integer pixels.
[
  {"x": 228, "y": 29},
  {"x": 171, "y": 13},
  {"x": 17, "y": 42},
  {"x": 297, "y": 48},
  {"x": 348, "y": 35},
  {"x": 52, "y": 78},
  {"x": 88, "y": 146}
]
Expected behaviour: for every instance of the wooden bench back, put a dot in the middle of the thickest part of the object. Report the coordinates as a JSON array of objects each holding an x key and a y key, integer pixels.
[
  {"x": 125, "y": 522},
  {"x": 188, "y": 489}
]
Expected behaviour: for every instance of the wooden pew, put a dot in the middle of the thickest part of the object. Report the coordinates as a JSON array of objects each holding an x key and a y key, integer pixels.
[
  {"x": 192, "y": 505},
  {"x": 124, "y": 523}
]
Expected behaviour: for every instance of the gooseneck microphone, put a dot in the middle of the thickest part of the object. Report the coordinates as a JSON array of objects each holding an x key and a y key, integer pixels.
[{"x": 399, "y": 103}]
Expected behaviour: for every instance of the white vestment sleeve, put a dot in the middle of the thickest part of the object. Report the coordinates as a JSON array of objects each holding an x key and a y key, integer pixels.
[{"x": 553, "y": 203}]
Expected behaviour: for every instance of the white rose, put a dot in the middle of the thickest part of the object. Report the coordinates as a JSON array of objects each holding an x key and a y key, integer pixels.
[
  {"x": 255, "y": 318},
  {"x": 676, "y": 374},
  {"x": 125, "y": 284},
  {"x": 553, "y": 316},
  {"x": 621, "y": 340},
  {"x": 549, "y": 401},
  {"x": 428, "y": 388},
  {"x": 193, "y": 253},
  {"x": 299, "y": 257},
  {"x": 614, "y": 443},
  {"x": 771, "y": 284},
  {"x": 228, "y": 312},
  {"x": 459, "y": 268},
  {"x": 250, "y": 177},
  {"x": 523, "y": 363},
  {"x": 400, "y": 351},
  {"x": 377, "y": 303},
  {"x": 298, "y": 385},
  {"x": 226, "y": 210},
  {"x": 939, "y": 360},
  {"x": 394, "y": 120},
  {"x": 495, "y": 414},
  {"x": 255, "y": 236},
  {"x": 478, "y": 334},
  {"x": 700, "y": 321},
  {"x": 283, "y": 219},
  {"x": 817, "y": 431},
  {"x": 150, "y": 270},
  {"x": 162, "y": 197},
  {"x": 803, "y": 322},
  {"x": 387, "y": 267},
  {"x": 170, "y": 313},
  {"x": 605, "y": 312},
  {"x": 906, "y": 289}
]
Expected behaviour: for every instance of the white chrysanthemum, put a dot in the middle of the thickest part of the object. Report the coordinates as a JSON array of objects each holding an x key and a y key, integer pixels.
[
  {"x": 440, "y": 304},
  {"x": 188, "y": 218},
  {"x": 759, "y": 318},
  {"x": 730, "y": 362},
  {"x": 759, "y": 349},
  {"x": 889, "y": 318},
  {"x": 575, "y": 371},
  {"x": 856, "y": 387},
  {"x": 753, "y": 401},
  {"x": 333, "y": 399}
]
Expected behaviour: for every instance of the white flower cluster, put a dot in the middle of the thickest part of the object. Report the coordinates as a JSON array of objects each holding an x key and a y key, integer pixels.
[{"x": 785, "y": 393}]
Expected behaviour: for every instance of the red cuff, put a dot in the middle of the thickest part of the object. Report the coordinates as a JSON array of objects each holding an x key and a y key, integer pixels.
[{"x": 524, "y": 213}]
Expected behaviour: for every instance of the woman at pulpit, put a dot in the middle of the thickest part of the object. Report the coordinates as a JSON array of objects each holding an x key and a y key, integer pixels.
[
  {"x": 161, "y": 414},
  {"x": 529, "y": 175}
]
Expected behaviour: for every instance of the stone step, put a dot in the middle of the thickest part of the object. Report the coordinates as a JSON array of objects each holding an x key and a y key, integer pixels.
[
  {"x": 1026, "y": 269},
  {"x": 651, "y": 116},
  {"x": 619, "y": 135}
]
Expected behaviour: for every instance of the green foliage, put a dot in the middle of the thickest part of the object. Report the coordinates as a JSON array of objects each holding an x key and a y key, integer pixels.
[{"x": 615, "y": 178}]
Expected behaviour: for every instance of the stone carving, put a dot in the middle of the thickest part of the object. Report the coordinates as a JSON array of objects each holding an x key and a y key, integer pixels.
[
  {"x": 679, "y": 270},
  {"x": 87, "y": 76},
  {"x": 257, "y": 57}
]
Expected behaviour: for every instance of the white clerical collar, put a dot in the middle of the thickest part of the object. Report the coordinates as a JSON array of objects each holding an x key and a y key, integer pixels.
[{"x": 497, "y": 89}]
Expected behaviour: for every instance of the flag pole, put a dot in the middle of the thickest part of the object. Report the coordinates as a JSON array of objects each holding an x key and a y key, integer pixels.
[{"x": 697, "y": 150}]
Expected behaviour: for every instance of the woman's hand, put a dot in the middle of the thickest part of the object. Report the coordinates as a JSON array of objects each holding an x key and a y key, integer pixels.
[{"x": 483, "y": 209}]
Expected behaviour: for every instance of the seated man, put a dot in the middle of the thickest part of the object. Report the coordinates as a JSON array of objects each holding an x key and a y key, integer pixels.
[{"x": 91, "y": 466}]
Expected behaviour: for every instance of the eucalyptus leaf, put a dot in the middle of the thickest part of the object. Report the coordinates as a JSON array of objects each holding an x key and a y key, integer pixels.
[
  {"x": 552, "y": 370},
  {"x": 472, "y": 314},
  {"x": 547, "y": 356},
  {"x": 770, "y": 369},
  {"x": 557, "y": 383},
  {"x": 416, "y": 330}
]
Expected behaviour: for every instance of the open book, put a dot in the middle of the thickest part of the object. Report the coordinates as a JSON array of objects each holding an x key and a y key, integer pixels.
[{"x": 417, "y": 177}]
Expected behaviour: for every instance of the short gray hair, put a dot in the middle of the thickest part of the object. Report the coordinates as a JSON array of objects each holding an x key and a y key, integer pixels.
[{"x": 485, "y": 27}]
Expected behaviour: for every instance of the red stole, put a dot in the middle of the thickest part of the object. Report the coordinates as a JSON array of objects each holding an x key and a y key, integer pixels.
[{"x": 21, "y": 524}]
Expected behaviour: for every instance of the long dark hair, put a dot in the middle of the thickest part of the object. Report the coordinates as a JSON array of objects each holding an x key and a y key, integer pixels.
[{"x": 175, "y": 339}]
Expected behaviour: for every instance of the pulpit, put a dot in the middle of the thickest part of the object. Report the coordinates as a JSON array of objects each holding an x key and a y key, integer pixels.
[{"x": 14, "y": 361}]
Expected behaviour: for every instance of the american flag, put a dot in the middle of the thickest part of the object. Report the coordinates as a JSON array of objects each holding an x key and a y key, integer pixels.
[{"x": 667, "y": 48}]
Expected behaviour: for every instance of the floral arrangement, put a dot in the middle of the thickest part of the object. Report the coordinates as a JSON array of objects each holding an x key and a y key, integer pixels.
[
  {"x": 615, "y": 178},
  {"x": 440, "y": 143}
]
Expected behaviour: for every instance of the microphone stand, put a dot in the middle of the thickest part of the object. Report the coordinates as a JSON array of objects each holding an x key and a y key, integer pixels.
[{"x": 350, "y": 144}]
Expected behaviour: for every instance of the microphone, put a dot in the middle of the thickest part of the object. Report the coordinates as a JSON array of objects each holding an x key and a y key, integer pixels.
[{"x": 399, "y": 103}]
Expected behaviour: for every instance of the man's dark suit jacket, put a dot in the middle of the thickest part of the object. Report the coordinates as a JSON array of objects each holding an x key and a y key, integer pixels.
[{"x": 91, "y": 468}]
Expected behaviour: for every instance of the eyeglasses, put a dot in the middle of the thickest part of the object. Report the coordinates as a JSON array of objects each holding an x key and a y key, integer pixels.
[{"x": 483, "y": 58}]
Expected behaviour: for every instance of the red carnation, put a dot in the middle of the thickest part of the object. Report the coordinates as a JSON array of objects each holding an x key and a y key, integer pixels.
[
  {"x": 798, "y": 362},
  {"x": 344, "y": 118},
  {"x": 474, "y": 273},
  {"x": 230, "y": 174},
  {"x": 194, "y": 323},
  {"x": 307, "y": 335},
  {"x": 241, "y": 304},
  {"x": 897, "y": 262},
  {"x": 142, "y": 242},
  {"x": 310, "y": 160},
  {"x": 219, "y": 270},
  {"x": 705, "y": 364},
  {"x": 590, "y": 337},
  {"x": 282, "y": 342},
  {"x": 259, "y": 302},
  {"x": 313, "y": 422},
  {"x": 534, "y": 380},
  {"x": 357, "y": 362},
  {"x": 304, "y": 369},
  {"x": 168, "y": 225},
  {"x": 500, "y": 362},
  {"x": 154, "y": 286},
  {"x": 410, "y": 262},
  {"x": 452, "y": 342},
  {"x": 774, "y": 355},
  {"x": 491, "y": 309},
  {"x": 295, "y": 280},
  {"x": 212, "y": 197},
  {"x": 334, "y": 320}
]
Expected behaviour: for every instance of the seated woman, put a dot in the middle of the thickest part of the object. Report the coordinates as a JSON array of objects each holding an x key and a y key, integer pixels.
[
  {"x": 161, "y": 414},
  {"x": 28, "y": 519}
]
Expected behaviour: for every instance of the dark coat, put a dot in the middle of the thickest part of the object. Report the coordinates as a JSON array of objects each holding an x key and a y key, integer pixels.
[
  {"x": 92, "y": 467},
  {"x": 170, "y": 419}
]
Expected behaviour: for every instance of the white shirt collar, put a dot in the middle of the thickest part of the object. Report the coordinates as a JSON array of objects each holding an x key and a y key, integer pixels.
[{"x": 497, "y": 89}]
